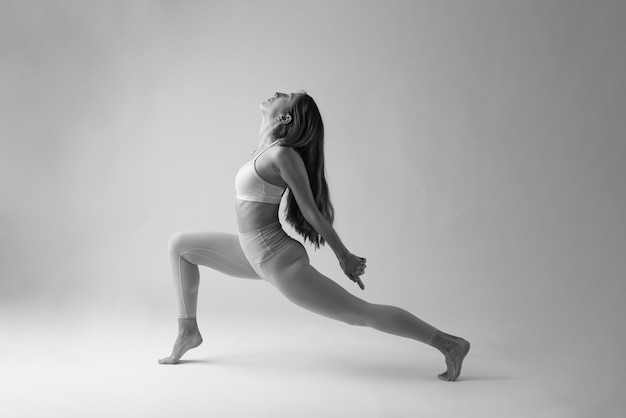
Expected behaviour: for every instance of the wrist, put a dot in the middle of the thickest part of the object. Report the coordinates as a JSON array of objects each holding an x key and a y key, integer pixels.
[{"x": 342, "y": 253}]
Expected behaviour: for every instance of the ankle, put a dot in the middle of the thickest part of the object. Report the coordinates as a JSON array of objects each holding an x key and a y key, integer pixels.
[
  {"x": 186, "y": 325},
  {"x": 441, "y": 341}
]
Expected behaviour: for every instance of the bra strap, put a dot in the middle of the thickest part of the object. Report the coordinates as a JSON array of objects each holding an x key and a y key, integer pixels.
[{"x": 264, "y": 149}]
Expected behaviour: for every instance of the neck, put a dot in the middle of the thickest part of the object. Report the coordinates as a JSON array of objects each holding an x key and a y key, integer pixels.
[{"x": 265, "y": 131}]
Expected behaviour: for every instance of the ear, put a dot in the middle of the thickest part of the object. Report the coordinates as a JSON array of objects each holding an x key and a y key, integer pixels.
[{"x": 284, "y": 119}]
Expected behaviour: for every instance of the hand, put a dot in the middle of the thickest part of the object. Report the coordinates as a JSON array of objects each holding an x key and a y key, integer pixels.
[{"x": 354, "y": 266}]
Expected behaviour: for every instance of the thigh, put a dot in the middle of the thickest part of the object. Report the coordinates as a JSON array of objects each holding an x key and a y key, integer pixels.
[
  {"x": 287, "y": 260},
  {"x": 308, "y": 288},
  {"x": 217, "y": 250}
]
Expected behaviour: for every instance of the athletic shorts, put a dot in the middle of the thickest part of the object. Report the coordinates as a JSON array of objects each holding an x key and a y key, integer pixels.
[{"x": 262, "y": 244}]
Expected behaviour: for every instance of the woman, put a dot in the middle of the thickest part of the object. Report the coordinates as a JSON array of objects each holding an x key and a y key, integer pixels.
[{"x": 290, "y": 158}]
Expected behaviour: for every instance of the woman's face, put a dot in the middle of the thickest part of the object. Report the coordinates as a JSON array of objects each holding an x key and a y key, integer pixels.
[{"x": 278, "y": 104}]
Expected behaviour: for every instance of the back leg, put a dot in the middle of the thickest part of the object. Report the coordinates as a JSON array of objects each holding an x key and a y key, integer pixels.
[{"x": 308, "y": 288}]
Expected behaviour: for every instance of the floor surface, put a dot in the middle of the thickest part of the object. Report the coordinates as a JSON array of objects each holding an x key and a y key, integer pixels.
[{"x": 263, "y": 366}]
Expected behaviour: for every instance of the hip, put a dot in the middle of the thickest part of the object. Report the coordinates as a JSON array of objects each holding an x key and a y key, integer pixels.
[{"x": 261, "y": 244}]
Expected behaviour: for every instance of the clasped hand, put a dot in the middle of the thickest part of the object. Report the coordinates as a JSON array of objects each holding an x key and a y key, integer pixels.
[{"x": 354, "y": 266}]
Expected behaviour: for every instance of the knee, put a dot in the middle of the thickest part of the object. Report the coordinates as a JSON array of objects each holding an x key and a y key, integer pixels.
[
  {"x": 354, "y": 321},
  {"x": 359, "y": 316},
  {"x": 176, "y": 243}
]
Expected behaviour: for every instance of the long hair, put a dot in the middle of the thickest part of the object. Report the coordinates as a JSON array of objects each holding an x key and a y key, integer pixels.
[{"x": 305, "y": 134}]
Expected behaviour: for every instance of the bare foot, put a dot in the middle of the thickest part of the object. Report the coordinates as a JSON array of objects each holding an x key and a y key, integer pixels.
[
  {"x": 187, "y": 339},
  {"x": 454, "y": 349}
]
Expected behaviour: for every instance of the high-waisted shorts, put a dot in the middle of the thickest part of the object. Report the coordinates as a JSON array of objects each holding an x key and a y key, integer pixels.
[{"x": 262, "y": 244}]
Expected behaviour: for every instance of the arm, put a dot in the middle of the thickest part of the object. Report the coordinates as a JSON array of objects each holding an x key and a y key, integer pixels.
[{"x": 292, "y": 170}]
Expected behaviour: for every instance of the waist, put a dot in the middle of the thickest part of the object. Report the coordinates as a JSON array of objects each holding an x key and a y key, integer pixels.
[
  {"x": 264, "y": 230},
  {"x": 252, "y": 216}
]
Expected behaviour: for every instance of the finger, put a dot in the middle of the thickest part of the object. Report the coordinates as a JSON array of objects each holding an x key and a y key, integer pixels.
[
  {"x": 356, "y": 280},
  {"x": 360, "y": 283}
]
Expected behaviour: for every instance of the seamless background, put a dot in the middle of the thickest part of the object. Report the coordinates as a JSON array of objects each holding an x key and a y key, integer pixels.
[{"x": 475, "y": 153}]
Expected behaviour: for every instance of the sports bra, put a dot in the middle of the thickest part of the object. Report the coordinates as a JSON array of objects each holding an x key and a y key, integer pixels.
[{"x": 250, "y": 186}]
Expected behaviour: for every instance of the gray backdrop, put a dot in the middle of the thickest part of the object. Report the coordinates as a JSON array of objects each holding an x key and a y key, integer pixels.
[{"x": 475, "y": 154}]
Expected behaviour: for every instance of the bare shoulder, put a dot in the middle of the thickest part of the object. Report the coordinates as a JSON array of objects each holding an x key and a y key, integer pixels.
[
  {"x": 286, "y": 157},
  {"x": 284, "y": 152}
]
